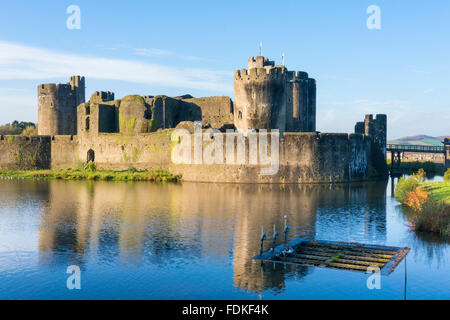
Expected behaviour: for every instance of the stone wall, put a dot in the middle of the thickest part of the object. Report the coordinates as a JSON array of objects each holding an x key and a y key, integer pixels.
[
  {"x": 217, "y": 112},
  {"x": 124, "y": 151},
  {"x": 304, "y": 158},
  {"x": 19, "y": 152},
  {"x": 376, "y": 129},
  {"x": 64, "y": 153}
]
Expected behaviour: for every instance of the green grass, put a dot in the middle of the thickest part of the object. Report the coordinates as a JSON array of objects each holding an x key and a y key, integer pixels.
[
  {"x": 99, "y": 175},
  {"x": 438, "y": 191}
]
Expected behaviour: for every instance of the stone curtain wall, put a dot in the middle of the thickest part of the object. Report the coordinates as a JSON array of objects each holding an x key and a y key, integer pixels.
[
  {"x": 19, "y": 152},
  {"x": 304, "y": 158},
  {"x": 64, "y": 153}
]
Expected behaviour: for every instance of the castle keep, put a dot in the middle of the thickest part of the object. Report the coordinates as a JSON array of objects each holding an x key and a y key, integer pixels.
[
  {"x": 135, "y": 131},
  {"x": 271, "y": 97}
]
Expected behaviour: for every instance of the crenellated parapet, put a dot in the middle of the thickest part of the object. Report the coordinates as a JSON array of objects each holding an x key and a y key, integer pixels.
[
  {"x": 261, "y": 74},
  {"x": 101, "y": 96},
  {"x": 259, "y": 62}
]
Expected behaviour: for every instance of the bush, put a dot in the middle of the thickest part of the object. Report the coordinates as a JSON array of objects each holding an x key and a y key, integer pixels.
[
  {"x": 434, "y": 217},
  {"x": 421, "y": 175},
  {"x": 404, "y": 187},
  {"x": 447, "y": 175},
  {"x": 91, "y": 166},
  {"x": 417, "y": 198}
]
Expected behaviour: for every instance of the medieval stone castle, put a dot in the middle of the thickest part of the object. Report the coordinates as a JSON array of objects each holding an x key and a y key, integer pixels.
[{"x": 135, "y": 131}]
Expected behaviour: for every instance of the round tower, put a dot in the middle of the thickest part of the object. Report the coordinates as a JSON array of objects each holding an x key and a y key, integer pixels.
[
  {"x": 57, "y": 106},
  {"x": 48, "y": 103},
  {"x": 260, "y": 99}
]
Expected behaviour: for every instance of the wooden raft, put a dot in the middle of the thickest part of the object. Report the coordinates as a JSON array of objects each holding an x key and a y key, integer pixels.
[{"x": 340, "y": 255}]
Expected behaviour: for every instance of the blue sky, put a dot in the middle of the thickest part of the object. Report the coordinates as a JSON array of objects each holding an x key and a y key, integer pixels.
[{"x": 178, "y": 47}]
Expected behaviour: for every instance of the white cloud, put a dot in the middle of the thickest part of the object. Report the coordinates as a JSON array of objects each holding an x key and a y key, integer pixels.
[{"x": 25, "y": 62}]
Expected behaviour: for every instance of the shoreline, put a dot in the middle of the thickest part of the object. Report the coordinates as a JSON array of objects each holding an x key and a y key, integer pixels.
[{"x": 94, "y": 175}]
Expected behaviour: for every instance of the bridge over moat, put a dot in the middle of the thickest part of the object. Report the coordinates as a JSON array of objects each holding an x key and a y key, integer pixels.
[{"x": 397, "y": 150}]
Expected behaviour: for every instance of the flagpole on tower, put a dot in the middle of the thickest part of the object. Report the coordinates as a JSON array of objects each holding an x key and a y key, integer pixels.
[
  {"x": 282, "y": 59},
  {"x": 260, "y": 48}
]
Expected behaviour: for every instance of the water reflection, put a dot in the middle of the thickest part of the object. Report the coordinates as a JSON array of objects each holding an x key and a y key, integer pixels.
[{"x": 174, "y": 224}]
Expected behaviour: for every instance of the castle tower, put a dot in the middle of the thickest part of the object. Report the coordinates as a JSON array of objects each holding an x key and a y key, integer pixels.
[
  {"x": 271, "y": 97},
  {"x": 78, "y": 87},
  {"x": 260, "y": 98},
  {"x": 301, "y": 102},
  {"x": 57, "y": 106},
  {"x": 376, "y": 130}
]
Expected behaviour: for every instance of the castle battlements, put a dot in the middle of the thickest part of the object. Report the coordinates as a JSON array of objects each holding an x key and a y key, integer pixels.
[
  {"x": 101, "y": 96},
  {"x": 257, "y": 74},
  {"x": 259, "y": 62}
]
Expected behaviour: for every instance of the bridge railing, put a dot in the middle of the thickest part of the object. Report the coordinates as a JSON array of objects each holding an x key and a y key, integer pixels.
[{"x": 414, "y": 148}]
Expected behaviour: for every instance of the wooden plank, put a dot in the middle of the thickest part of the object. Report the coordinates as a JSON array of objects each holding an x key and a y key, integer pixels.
[
  {"x": 348, "y": 248},
  {"x": 352, "y": 248},
  {"x": 311, "y": 249},
  {"x": 347, "y": 266}
]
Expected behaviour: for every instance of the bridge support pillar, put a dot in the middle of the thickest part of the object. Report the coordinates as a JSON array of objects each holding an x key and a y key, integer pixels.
[
  {"x": 396, "y": 159},
  {"x": 446, "y": 154}
]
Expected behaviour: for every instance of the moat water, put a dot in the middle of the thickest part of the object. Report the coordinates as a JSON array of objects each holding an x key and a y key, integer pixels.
[{"x": 196, "y": 241}]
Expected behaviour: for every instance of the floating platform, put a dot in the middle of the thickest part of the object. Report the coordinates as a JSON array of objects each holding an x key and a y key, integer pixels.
[{"x": 339, "y": 255}]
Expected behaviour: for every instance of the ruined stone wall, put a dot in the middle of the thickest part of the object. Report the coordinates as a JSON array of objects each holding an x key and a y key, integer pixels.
[
  {"x": 169, "y": 112},
  {"x": 19, "y": 152},
  {"x": 217, "y": 112},
  {"x": 376, "y": 130},
  {"x": 101, "y": 96}
]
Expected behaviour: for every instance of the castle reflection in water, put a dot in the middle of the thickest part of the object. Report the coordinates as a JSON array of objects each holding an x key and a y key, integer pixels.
[{"x": 140, "y": 223}]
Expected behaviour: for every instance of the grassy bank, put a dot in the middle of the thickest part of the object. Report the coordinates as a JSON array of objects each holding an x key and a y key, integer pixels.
[
  {"x": 427, "y": 203},
  {"x": 92, "y": 174}
]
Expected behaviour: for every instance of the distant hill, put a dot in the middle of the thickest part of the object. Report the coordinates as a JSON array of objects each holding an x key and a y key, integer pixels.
[{"x": 423, "y": 140}]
